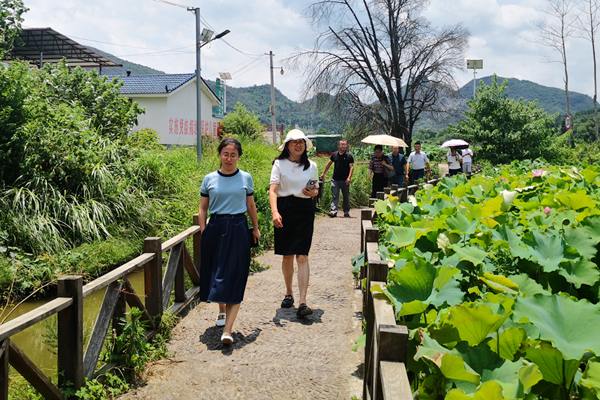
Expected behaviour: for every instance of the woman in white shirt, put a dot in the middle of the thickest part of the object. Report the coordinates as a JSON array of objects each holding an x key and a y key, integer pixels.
[
  {"x": 454, "y": 162},
  {"x": 293, "y": 185}
]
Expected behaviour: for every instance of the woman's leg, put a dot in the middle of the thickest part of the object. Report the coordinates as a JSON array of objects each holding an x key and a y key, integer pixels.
[
  {"x": 221, "y": 308},
  {"x": 231, "y": 310},
  {"x": 287, "y": 267},
  {"x": 303, "y": 275}
]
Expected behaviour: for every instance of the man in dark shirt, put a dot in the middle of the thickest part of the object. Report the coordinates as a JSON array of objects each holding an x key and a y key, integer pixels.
[
  {"x": 342, "y": 173},
  {"x": 400, "y": 167}
]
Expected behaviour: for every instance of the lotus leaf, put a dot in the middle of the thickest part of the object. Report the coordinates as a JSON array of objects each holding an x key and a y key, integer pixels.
[
  {"x": 473, "y": 210},
  {"x": 574, "y": 201},
  {"x": 527, "y": 286},
  {"x": 453, "y": 367},
  {"x": 450, "y": 294},
  {"x": 571, "y": 325},
  {"x": 507, "y": 376},
  {"x": 548, "y": 251},
  {"x": 474, "y": 322},
  {"x": 473, "y": 254},
  {"x": 402, "y": 236},
  {"x": 591, "y": 376},
  {"x": 438, "y": 205},
  {"x": 589, "y": 175},
  {"x": 487, "y": 391},
  {"x": 591, "y": 226},
  {"x": 461, "y": 224},
  {"x": 580, "y": 272},
  {"x": 505, "y": 234},
  {"x": 500, "y": 283},
  {"x": 581, "y": 241},
  {"x": 554, "y": 368},
  {"x": 492, "y": 207},
  {"x": 530, "y": 375},
  {"x": 508, "y": 342},
  {"x": 507, "y": 199},
  {"x": 431, "y": 387}
]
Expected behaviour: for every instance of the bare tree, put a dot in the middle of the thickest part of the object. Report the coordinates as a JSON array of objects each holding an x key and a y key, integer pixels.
[
  {"x": 555, "y": 30},
  {"x": 382, "y": 64},
  {"x": 589, "y": 23}
]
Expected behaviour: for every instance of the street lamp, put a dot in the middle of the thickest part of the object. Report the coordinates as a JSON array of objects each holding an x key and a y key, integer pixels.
[
  {"x": 225, "y": 76},
  {"x": 474, "y": 65},
  {"x": 202, "y": 39},
  {"x": 273, "y": 127}
]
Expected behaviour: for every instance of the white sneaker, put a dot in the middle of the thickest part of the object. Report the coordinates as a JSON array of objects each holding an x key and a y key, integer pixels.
[
  {"x": 221, "y": 319},
  {"x": 226, "y": 338}
]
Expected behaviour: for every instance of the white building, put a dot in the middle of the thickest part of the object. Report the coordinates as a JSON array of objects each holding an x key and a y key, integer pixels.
[{"x": 170, "y": 103}]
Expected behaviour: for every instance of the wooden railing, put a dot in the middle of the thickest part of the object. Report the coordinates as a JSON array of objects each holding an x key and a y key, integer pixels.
[
  {"x": 385, "y": 375},
  {"x": 68, "y": 306}
]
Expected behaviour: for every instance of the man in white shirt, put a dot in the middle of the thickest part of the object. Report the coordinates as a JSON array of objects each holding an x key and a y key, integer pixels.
[
  {"x": 418, "y": 160},
  {"x": 467, "y": 155}
]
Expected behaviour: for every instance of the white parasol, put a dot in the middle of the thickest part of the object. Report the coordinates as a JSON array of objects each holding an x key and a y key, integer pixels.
[
  {"x": 454, "y": 143},
  {"x": 384, "y": 140}
]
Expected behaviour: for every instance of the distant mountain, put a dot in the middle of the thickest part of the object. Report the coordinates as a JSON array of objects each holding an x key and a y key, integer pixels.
[
  {"x": 291, "y": 113},
  {"x": 552, "y": 100},
  {"x": 136, "y": 69}
]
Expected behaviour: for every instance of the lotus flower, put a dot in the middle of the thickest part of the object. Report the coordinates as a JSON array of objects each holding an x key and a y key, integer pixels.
[
  {"x": 537, "y": 172},
  {"x": 547, "y": 210}
]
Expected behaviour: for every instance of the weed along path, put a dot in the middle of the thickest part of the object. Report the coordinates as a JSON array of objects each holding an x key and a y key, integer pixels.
[{"x": 275, "y": 355}]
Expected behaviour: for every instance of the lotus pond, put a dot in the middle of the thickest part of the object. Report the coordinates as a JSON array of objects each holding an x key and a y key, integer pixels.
[{"x": 497, "y": 279}]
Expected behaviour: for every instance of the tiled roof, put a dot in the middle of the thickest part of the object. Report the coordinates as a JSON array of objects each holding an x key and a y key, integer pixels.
[{"x": 152, "y": 84}]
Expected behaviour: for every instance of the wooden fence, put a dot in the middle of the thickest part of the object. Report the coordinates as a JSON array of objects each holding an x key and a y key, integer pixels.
[
  {"x": 68, "y": 306},
  {"x": 386, "y": 346}
]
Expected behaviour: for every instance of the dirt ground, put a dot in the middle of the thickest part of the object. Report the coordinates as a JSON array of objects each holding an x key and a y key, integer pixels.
[{"x": 276, "y": 355}]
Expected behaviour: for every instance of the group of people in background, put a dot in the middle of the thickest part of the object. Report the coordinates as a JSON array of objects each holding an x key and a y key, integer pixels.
[
  {"x": 458, "y": 161},
  {"x": 228, "y": 195}
]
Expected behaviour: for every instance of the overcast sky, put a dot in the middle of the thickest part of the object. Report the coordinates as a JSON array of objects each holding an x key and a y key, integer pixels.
[{"x": 162, "y": 36}]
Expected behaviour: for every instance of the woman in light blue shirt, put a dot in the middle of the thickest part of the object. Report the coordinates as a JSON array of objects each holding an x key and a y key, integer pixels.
[{"x": 225, "y": 259}]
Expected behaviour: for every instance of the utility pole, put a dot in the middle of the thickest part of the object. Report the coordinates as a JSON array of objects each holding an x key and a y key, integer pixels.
[
  {"x": 198, "y": 90},
  {"x": 273, "y": 126}
]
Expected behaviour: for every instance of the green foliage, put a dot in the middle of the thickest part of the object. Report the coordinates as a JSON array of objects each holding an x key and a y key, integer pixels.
[
  {"x": 241, "y": 123},
  {"x": 11, "y": 12},
  {"x": 503, "y": 129},
  {"x": 497, "y": 279}
]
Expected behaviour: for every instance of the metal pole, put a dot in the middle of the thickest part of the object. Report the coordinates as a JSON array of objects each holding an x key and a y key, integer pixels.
[
  {"x": 273, "y": 126},
  {"x": 198, "y": 89},
  {"x": 224, "y": 97},
  {"x": 474, "y": 80}
]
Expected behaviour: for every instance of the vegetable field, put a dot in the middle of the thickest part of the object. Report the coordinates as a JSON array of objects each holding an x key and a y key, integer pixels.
[{"x": 498, "y": 282}]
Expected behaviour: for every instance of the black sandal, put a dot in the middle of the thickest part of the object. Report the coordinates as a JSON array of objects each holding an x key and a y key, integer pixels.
[
  {"x": 303, "y": 310},
  {"x": 288, "y": 301}
]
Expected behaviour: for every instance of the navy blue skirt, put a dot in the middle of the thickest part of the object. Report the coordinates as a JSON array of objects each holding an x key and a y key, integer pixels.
[{"x": 225, "y": 259}]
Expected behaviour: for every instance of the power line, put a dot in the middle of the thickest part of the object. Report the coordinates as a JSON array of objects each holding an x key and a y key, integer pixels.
[{"x": 173, "y": 4}]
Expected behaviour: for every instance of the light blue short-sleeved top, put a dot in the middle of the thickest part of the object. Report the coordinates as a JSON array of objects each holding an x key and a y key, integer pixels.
[{"x": 227, "y": 193}]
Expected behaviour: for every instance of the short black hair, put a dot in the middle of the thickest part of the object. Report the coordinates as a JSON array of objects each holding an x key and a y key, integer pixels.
[
  {"x": 378, "y": 147},
  {"x": 227, "y": 142},
  {"x": 417, "y": 143}
]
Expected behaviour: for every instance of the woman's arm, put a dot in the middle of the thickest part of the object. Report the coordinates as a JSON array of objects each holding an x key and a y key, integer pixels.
[
  {"x": 251, "y": 207},
  {"x": 273, "y": 190},
  {"x": 203, "y": 213}
]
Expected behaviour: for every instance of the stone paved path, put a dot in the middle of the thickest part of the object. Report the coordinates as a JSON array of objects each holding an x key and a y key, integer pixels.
[{"x": 275, "y": 354}]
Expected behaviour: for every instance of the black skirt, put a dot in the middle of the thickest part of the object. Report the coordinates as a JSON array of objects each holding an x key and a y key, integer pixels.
[
  {"x": 224, "y": 259},
  {"x": 379, "y": 183},
  {"x": 298, "y": 219}
]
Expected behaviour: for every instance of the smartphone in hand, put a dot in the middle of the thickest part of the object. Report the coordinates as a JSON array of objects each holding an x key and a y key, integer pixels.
[{"x": 311, "y": 184}]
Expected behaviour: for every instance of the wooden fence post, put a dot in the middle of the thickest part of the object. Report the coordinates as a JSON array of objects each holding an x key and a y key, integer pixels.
[
  {"x": 4, "y": 370},
  {"x": 70, "y": 333},
  {"x": 197, "y": 240},
  {"x": 153, "y": 277},
  {"x": 392, "y": 343}
]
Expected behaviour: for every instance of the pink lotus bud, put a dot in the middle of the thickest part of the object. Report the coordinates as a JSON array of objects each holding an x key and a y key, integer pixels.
[
  {"x": 537, "y": 172},
  {"x": 547, "y": 210}
]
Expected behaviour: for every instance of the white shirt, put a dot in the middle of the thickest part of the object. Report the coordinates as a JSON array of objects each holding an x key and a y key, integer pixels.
[
  {"x": 418, "y": 160},
  {"x": 453, "y": 160},
  {"x": 467, "y": 154},
  {"x": 292, "y": 178}
]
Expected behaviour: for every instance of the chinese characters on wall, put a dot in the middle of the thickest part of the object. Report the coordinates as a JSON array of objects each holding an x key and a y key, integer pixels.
[{"x": 180, "y": 126}]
